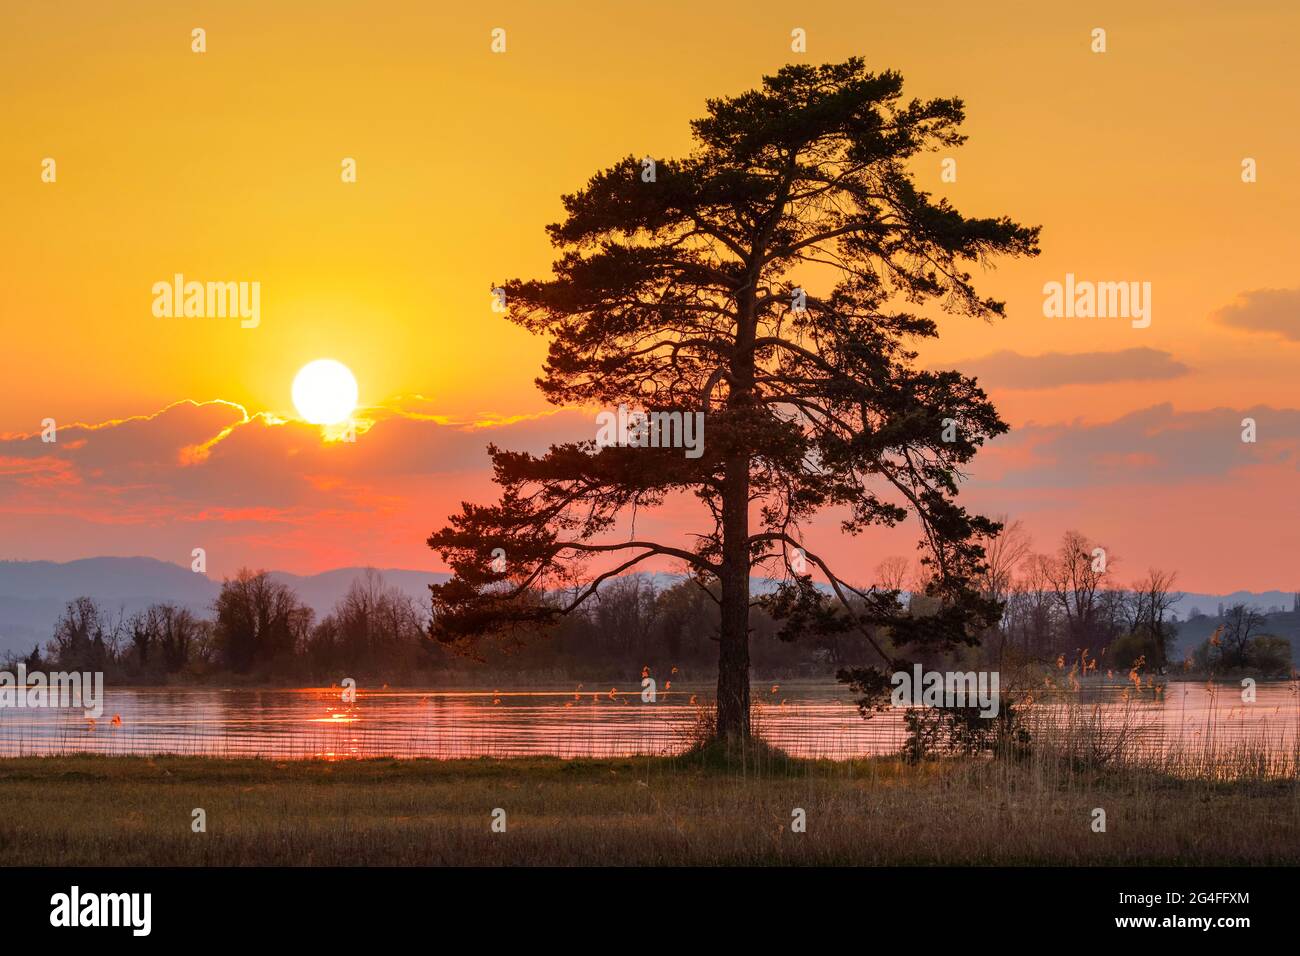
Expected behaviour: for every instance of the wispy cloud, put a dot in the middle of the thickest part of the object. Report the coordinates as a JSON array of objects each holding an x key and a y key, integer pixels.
[
  {"x": 1008, "y": 369},
  {"x": 1157, "y": 445},
  {"x": 1270, "y": 311}
]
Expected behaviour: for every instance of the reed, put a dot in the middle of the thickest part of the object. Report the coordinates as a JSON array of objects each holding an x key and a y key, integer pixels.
[{"x": 703, "y": 807}]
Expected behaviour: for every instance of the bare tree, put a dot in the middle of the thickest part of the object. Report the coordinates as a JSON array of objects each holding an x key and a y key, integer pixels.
[
  {"x": 1037, "y": 607},
  {"x": 82, "y": 636},
  {"x": 372, "y": 623},
  {"x": 259, "y": 620},
  {"x": 164, "y": 637},
  {"x": 1151, "y": 601},
  {"x": 625, "y": 612},
  {"x": 1240, "y": 624},
  {"x": 892, "y": 573},
  {"x": 1002, "y": 556},
  {"x": 1075, "y": 574}
]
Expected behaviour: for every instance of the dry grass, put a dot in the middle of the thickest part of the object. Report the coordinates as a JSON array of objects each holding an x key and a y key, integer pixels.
[{"x": 704, "y": 808}]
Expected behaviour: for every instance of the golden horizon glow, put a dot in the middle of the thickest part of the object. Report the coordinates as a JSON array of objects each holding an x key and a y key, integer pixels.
[{"x": 179, "y": 430}]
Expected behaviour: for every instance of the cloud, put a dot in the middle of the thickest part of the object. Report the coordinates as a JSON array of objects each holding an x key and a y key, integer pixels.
[
  {"x": 1011, "y": 370},
  {"x": 1271, "y": 311},
  {"x": 253, "y": 489},
  {"x": 264, "y": 492},
  {"x": 1150, "y": 446}
]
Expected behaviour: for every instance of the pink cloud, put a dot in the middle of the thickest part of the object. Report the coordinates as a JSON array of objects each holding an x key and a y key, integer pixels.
[
  {"x": 1177, "y": 489},
  {"x": 250, "y": 488}
]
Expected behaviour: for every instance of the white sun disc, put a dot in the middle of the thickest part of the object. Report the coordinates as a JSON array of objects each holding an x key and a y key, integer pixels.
[{"x": 325, "y": 392}]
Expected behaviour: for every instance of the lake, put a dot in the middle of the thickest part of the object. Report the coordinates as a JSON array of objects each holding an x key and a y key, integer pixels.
[{"x": 805, "y": 718}]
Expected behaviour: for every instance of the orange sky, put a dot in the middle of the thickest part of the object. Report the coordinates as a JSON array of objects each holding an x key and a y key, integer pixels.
[{"x": 225, "y": 166}]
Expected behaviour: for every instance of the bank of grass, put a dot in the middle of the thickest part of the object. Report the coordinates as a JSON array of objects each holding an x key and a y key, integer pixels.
[{"x": 706, "y": 808}]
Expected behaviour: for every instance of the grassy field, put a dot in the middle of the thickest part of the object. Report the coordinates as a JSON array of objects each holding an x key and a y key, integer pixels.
[{"x": 669, "y": 811}]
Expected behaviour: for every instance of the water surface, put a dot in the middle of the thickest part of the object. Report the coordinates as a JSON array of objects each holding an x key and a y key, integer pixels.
[{"x": 806, "y": 718}]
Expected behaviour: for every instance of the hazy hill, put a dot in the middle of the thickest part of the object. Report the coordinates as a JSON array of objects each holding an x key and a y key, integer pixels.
[
  {"x": 1259, "y": 600},
  {"x": 1194, "y": 632}
]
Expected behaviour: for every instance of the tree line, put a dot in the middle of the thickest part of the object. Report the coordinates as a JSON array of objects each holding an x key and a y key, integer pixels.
[
  {"x": 1064, "y": 603},
  {"x": 258, "y": 627},
  {"x": 1068, "y": 602}
]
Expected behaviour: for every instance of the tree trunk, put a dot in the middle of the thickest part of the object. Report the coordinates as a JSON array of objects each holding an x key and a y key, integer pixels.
[{"x": 733, "y": 652}]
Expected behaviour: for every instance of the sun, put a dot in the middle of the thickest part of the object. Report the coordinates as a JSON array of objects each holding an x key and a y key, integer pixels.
[{"x": 325, "y": 392}]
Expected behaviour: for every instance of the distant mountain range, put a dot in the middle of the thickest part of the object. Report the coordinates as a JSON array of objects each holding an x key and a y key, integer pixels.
[{"x": 33, "y": 593}]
